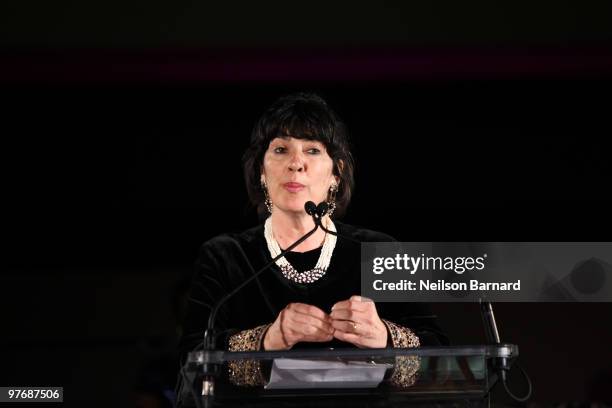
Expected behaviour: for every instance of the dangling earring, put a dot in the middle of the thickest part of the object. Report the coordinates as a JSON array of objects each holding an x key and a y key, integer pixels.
[
  {"x": 268, "y": 202},
  {"x": 331, "y": 202}
]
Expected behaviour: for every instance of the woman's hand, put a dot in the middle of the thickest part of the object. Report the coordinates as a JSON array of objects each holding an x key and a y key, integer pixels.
[
  {"x": 298, "y": 322},
  {"x": 356, "y": 321}
]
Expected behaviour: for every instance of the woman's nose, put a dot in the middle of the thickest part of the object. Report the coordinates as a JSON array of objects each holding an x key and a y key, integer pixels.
[{"x": 296, "y": 163}]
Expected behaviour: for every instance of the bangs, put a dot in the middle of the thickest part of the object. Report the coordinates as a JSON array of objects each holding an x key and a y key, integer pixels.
[{"x": 304, "y": 122}]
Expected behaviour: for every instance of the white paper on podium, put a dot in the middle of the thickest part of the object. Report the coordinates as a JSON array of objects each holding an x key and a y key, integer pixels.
[{"x": 298, "y": 373}]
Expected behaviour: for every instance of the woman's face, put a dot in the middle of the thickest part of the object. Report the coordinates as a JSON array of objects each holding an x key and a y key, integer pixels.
[{"x": 297, "y": 171}]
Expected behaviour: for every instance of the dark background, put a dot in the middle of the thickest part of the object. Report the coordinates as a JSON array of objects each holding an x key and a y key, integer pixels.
[{"x": 123, "y": 126}]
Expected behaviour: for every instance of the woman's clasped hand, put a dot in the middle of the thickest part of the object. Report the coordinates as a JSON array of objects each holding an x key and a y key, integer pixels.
[{"x": 354, "y": 321}]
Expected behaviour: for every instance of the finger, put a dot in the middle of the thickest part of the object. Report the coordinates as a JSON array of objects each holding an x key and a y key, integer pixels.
[
  {"x": 348, "y": 337},
  {"x": 309, "y": 310},
  {"x": 348, "y": 314},
  {"x": 284, "y": 336},
  {"x": 353, "y": 304},
  {"x": 301, "y": 323},
  {"x": 306, "y": 320},
  {"x": 348, "y": 326},
  {"x": 306, "y": 332},
  {"x": 319, "y": 336}
]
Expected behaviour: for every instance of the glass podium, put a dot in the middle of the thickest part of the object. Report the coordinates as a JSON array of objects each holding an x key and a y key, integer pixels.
[{"x": 427, "y": 376}]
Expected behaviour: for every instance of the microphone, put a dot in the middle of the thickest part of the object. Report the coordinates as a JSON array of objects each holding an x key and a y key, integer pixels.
[
  {"x": 489, "y": 323},
  {"x": 316, "y": 211},
  {"x": 322, "y": 209},
  {"x": 311, "y": 208}
]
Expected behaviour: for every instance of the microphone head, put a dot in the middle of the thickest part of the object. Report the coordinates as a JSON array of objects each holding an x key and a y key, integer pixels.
[
  {"x": 310, "y": 207},
  {"x": 322, "y": 209}
]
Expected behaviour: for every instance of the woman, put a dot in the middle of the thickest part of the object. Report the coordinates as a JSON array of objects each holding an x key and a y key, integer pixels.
[{"x": 299, "y": 152}]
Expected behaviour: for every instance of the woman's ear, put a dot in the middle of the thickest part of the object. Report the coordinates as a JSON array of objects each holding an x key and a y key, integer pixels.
[{"x": 340, "y": 168}]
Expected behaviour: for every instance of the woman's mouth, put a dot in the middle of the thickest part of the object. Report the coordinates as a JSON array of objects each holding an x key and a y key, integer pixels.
[{"x": 293, "y": 187}]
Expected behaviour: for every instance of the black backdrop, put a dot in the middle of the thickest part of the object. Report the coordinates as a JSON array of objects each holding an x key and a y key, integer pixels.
[{"x": 113, "y": 186}]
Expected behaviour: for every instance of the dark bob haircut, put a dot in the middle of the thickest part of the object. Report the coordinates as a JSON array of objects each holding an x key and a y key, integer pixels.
[{"x": 302, "y": 116}]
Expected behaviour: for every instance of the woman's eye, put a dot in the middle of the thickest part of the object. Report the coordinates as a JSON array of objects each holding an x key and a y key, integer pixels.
[
  {"x": 314, "y": 150},
  {"x": 279, "y": 150}
]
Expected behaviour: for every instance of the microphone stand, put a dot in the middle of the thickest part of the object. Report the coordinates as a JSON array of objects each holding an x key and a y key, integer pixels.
[{"x": 501, "y": 364}]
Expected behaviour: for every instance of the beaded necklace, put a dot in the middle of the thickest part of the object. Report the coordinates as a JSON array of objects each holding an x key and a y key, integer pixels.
[{"x": 288, "y": 270}]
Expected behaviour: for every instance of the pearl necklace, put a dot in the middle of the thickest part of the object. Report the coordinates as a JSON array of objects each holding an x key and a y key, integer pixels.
[{"x": 288, "y": 270}]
